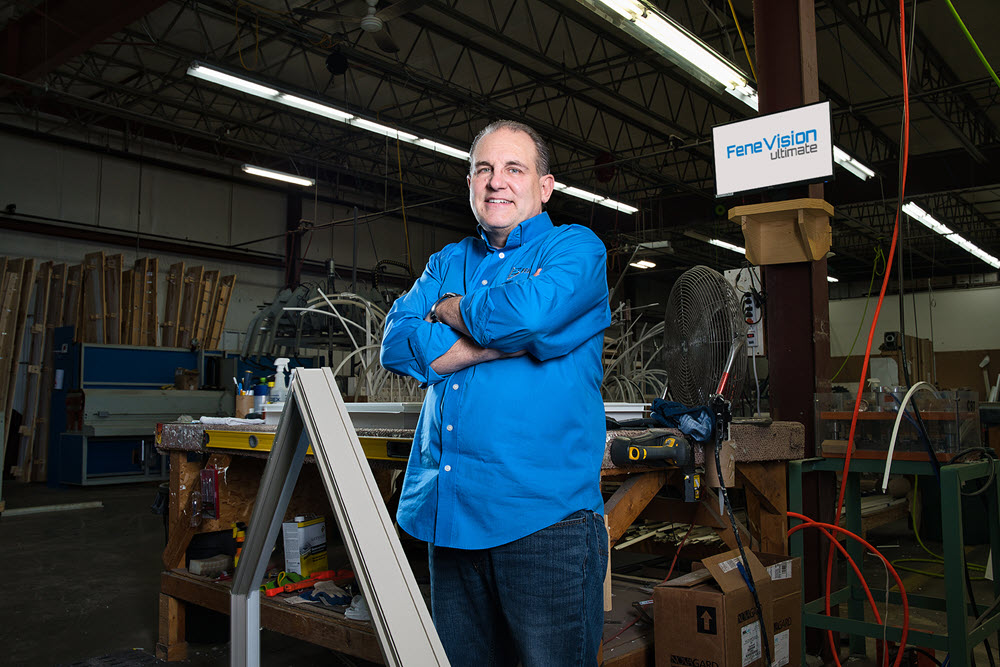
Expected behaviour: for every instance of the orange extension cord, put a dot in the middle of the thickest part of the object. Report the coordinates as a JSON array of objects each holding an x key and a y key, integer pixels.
[{"x": 864, "y": 373}]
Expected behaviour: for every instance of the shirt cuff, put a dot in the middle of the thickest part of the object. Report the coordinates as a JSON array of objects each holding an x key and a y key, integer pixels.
[{"x": 430, "y": 341}]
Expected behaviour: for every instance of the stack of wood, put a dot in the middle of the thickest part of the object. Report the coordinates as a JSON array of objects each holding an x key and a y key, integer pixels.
[
  {"x": 119, "y": 305},
  {"x": 106, "y": 304}
]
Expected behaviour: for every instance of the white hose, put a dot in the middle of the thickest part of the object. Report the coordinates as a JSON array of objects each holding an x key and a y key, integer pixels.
[{"x": 895, "y": 427}]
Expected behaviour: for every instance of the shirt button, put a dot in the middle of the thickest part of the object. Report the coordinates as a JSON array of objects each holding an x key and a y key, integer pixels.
[
  {"x": 500, "y": 255},
  {"x": 447, "y": 468},
  {"x": 484, "y": 282},
  {"x": 454, "y": 386},
  {"x": 450, "y": 427}
]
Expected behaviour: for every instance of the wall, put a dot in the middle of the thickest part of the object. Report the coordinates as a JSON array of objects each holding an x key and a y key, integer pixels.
[
  {"x": 954, "y": 320},
  {"x": 108, "y": 193}
]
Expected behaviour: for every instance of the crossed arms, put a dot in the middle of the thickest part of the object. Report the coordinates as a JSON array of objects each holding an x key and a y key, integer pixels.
[{"x": 545, "y": 315}]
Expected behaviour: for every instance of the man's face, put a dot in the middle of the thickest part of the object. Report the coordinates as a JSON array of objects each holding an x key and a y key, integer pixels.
[{"x": 505, "y": 188}]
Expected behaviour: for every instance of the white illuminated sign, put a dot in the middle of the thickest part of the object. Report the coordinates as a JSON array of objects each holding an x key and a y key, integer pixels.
[{"x": 791, "y": 146}]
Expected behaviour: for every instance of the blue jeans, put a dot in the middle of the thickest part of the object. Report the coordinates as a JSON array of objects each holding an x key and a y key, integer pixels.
[{"x": 539, "y": 599}]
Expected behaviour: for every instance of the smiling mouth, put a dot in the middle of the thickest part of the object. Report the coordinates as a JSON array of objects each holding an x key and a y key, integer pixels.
[{"x": 499, "y": 201}]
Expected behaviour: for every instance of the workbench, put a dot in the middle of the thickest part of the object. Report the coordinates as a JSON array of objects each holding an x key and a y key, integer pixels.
[{"x": 758, "y": 456}]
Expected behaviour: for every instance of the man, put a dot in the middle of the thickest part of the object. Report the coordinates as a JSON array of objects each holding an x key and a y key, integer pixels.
[{"x": 506, "y": 330}]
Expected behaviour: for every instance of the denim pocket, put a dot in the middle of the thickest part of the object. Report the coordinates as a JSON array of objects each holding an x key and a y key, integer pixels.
[{"x": 573, "y": 519}]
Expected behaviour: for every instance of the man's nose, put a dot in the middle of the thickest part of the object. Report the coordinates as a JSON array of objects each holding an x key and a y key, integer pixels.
[{"x": 497, "y": 181}]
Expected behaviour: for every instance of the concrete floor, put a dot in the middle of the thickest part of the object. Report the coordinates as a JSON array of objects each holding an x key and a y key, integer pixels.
[{"x": 83, "y": 584}]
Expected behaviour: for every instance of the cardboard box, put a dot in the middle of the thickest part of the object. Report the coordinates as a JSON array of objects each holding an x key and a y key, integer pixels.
[
  {"x": 305, "y": 545},
  {"x": 786, "y": 579},
  {"x": 708, "y": 618}
]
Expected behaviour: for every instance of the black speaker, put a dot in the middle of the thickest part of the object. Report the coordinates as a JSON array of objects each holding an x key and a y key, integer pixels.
[{"x": 891, "y": 340}]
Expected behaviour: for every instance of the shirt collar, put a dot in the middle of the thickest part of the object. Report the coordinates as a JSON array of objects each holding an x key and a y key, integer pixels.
[{"x": 527, "y": 231}]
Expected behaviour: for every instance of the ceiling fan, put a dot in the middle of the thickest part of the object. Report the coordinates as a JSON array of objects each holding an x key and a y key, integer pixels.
[{"x": 373, "y": 22}]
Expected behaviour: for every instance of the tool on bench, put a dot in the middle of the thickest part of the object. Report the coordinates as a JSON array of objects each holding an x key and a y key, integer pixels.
[
  {"x": 336, "y": 576},
  {"x": 660, "y": 447},
  {"x": 655, "y": 447}
]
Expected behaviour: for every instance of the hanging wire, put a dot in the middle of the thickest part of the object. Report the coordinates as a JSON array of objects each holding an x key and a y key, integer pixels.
[{"x": 743, "y": 39}]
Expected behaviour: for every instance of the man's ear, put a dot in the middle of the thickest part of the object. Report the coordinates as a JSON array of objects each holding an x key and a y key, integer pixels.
[{"x": 548, "y": 184}]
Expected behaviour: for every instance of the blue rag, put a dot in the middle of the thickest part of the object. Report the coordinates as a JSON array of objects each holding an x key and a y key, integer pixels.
[{"x": 697, "y": 423}]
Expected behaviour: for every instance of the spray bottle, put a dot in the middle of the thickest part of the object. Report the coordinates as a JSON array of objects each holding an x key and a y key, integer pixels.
[{"x": 280, "y": 390}]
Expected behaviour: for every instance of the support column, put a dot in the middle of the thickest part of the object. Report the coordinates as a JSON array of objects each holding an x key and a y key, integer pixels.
[{"x": 797, "y": 315}]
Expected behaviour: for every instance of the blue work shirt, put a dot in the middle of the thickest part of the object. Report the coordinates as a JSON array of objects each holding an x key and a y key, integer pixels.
[{"x": 506, "y": 447}]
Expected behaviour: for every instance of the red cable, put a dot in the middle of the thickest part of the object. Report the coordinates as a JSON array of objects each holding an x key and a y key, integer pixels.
[
  {"x": 809, "y": 523},
  {"x": 878, "y": 308}
]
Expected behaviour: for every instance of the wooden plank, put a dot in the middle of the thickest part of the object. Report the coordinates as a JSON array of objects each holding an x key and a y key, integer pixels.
[
  {"x": 24, "y": 297},
  {"x": 316, "y": 626},
  {"x": 171, "y": 645},
  {"x": 36, "y": 354},
  {"x": 8, "y": 318},
  {"x": 172, "y": 308},
  {"x": 53, "y": 319},
  {"x": 125, "y": 337},
  {"x": 209, "y": 283},
  {"x": 188, "y": 320},
  {"x": 138, "y": 300},
  {"x": 74, "y": 287},
  {"x": 630, "y": 499},
  {"x": 151, "y": 326},
  {"x": 94, "y": 307},
  {"x": 113, "y": 297},
  {"x": 219, "y": 310}
]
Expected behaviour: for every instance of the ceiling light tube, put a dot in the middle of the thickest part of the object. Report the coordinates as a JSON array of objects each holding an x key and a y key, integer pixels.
[
  {"x": 728, "y": 246},
  {"x": 240, "y": 83},
  {"x": 278, "y": 175},
  {"x": 443, "y": 148},
  {"x": 228, "y": 80},
  {"x": 851, "y": 164},
  {"x": 670, "y": 39},
  {"x": 925, "y": 218},
  {"x": 385, "y": 130},
  {"x": 831, "y": 279},
  {"x": 314, "y": 107},
  {"x": 583, "y": 194},
  {"x": 643, "y": 264},
  {"x": 618, "y": 206}
]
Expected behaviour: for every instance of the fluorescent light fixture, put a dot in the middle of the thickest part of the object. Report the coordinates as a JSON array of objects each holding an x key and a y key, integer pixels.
[
  {"x": 311, "y": 106},
  {"x": 728, "y": 246},
  {"x": 443, "y": 148},
  {"x": 643, "y": 264},
  {"x": 278, "y": 175},
  {"x": 670, "y": 39},
  {"x": 582, "y": 194},
  {"x": 314, "y": 107},
  {"x": 831, "y": 279},
  {"x": 385, "y": 130},
  {"x": 851, "y": 164},
  {"x": 229, "y": 81},
  {"x": 716, "y": 242},
  {"x": 974, "y": 250},
  {"x": 926, "y": 219},
  {"x": 595, "y": 198}
]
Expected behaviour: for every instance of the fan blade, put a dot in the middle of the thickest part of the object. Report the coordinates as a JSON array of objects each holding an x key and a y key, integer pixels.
[
  {"x": 385, "y": 41},
  {"x": 399, "y": 8},
  {"x": 322, "y": 14}
]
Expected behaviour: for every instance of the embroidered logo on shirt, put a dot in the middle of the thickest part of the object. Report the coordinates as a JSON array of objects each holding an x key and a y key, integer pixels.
[{"x": 516, "y": 271}]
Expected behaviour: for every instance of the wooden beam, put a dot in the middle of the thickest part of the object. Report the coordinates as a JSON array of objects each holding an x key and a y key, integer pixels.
[{"x": 630, "y": 499}]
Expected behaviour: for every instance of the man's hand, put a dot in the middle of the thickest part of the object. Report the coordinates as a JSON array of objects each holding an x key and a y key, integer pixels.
[{"x": 464, "y": 353}]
